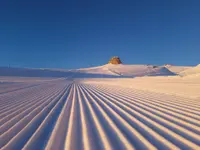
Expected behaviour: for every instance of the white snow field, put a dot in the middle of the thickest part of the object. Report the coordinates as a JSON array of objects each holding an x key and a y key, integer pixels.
[
  {"x": 194, "y": 71},
  {"x": 128, "y": 70},
  {"x": 56, "y": 110},
  {"x": 177, "y": 69},
  {"x": 105, "y": 71}
]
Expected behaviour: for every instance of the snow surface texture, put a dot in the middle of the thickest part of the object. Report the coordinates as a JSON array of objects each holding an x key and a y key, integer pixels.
[{"x": 158, "y": 112}]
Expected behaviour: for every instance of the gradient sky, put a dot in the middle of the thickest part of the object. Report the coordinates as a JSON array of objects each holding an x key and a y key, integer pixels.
[{"x": 83, "y": 33}]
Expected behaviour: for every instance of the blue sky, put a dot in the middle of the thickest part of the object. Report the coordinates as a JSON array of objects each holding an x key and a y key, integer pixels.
[{"x": 83, "y": 33}]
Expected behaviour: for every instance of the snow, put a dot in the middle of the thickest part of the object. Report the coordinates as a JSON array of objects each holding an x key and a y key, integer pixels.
[
  {"x": 128, "y": 70},
  {"x": 106, "y": 71},
  {"x": 194, "y": 71},
  {"x": 172, "y": 85},
  {"x": 177, "y": 69},
  {"x": 94, "y": 108}
]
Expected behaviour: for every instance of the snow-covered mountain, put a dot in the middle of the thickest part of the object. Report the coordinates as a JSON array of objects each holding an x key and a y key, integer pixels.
[
  {"x": 128, "y": 70},
  {"x": 105, "y": 71}
]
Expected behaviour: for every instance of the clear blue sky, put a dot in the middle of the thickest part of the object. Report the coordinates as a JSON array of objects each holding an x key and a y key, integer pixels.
[{"x": 82, "y": 33}]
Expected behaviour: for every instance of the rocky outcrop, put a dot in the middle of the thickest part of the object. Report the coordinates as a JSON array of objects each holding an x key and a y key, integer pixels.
[
  {"x": 115, "y": 60},
  {"x": 167, "y": 65}
]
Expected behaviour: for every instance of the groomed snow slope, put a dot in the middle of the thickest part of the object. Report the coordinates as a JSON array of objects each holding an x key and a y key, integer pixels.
[{"x": 76, "y": 114}]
